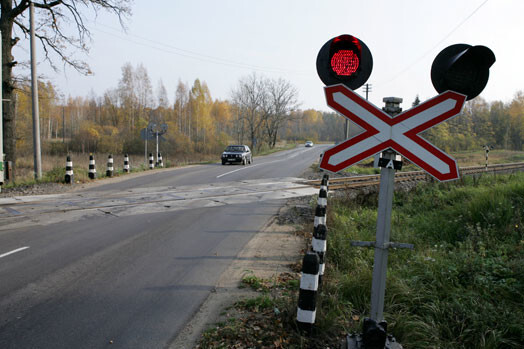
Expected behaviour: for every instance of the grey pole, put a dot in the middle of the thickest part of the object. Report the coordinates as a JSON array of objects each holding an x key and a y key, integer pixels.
[
  {"x": 1, "y": 121},
  {"x": 157, "y": 147},
  {"x": 34, "y": 92},
  {"x": 385, "y": 203}
]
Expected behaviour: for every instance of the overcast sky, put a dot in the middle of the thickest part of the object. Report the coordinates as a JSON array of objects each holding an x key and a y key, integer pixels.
[{"x": 219, "y": 41}]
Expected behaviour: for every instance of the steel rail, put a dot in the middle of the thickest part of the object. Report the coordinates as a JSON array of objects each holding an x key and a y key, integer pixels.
[{"x": 370, "y": 180}]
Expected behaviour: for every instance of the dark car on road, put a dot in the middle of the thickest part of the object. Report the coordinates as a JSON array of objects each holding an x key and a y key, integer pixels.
[{"x": 237, "y": 154}]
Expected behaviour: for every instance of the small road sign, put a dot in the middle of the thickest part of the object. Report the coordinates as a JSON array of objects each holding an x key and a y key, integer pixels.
[{"x": 400, "y": 133}]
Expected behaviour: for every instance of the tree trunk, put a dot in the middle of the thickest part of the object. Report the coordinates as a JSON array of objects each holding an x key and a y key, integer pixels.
[{"x": 8, "y": 110}]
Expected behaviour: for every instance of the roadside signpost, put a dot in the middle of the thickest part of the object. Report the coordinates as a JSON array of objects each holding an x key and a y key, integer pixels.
[{"x": 153, "y": 131}]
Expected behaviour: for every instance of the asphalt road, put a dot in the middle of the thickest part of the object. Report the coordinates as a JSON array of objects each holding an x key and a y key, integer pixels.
[{"x": 126, "y": 264}]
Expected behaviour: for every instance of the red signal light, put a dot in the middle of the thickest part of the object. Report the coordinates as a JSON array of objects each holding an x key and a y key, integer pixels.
[{"x": 344, "y": 62}]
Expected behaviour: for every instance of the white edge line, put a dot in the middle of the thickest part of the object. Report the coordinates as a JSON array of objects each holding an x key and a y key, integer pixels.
[
  {"x": 14, "y": 251},
  {"x": 239, "y": 169}
]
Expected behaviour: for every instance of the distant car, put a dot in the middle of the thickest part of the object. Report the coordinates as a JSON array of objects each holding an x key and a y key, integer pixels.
[
  {"x": 309, "y": 144},
  {"x": 237, "y": 154}
]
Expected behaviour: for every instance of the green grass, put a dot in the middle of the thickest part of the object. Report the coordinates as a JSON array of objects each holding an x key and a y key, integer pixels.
[
  {"x": 462, "y": 286},
  {"x": 255, "y": 283}
]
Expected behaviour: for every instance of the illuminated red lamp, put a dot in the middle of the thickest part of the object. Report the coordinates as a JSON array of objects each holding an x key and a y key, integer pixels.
[
  {"x": 344, "y": 62},
  {"x": 344, "y": 59}
]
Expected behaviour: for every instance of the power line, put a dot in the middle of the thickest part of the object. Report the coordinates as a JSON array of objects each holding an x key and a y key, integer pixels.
[
  {"x": 191, "y": 54},
  {"x": 435, "y": 46}
]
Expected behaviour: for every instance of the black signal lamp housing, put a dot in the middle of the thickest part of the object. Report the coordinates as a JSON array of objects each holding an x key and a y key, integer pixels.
[{"x": 462, "y": 68}]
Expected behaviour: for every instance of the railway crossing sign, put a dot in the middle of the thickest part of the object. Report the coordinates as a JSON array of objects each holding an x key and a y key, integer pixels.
[{"x": 400, "y": 133}]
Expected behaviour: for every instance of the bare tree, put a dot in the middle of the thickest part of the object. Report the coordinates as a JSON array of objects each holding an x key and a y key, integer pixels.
[
  {"x": 54, "y": 16},
  {"x": 127, "y": 94},
  {"x": 180, "y": 107},
  {"x": 280, "y": 101},
  {"x": 161, "y": 92},
  {"x": 249, "y": 97},
  {"x": 144, "y": 90}
]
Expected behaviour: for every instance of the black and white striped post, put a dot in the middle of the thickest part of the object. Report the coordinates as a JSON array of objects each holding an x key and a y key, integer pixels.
[
  {"x": 69, "y": 171},
  {"x": 325, "y": 182},
  {"x": 320, "y": 215},
  {"x": 109, "y": 172},
  {"x": 319, "y": 242},
  {"x": 92, "y": 167},
  {"x": 322, "y": 196},
  {"x": 307, "y": 297},
  {"x": 127, "y": 168},
  {"x": 151, "y": 161},
  {"x": 319, "y": 246},
  {"x": 159, "y": 161}
]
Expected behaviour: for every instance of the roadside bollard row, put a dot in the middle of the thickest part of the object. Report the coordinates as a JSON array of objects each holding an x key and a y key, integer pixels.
[
  {"x": 313, "y": 265},
  {"x": 110, "y": 168}
]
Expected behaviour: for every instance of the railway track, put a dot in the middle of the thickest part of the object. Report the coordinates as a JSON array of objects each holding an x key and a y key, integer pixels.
[{"x": 370, "y": 180}]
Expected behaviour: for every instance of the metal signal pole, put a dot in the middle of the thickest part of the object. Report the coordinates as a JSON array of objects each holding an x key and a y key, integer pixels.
[
  {"x": 34, "y": 92},
  {"x": 385, "y": 204}
]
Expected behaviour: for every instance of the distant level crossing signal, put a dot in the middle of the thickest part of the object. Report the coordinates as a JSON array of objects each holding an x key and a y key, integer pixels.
[{"x": 344, "y": 59}]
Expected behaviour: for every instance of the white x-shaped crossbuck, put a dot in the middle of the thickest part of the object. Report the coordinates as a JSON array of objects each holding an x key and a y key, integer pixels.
[{"x": 400, "y": 133}]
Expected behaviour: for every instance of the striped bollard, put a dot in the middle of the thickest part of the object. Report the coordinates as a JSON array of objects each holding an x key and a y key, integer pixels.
[
  {"x": 109, "y": 172},
  {"x": 319, "y": 246},
  {"x": 320, "y": 215},
  {"x": 325, "y": 182},
  {"x": 307, "y": 296},
  {"x": 126, "y": 163},
  {"x": 92, "y": 167},
  {"x": 151, "y": 161},
  {"x": 160, "y": 163},
  {"x": 69, "y": 171},
  {"x": 322, "y": 196}
]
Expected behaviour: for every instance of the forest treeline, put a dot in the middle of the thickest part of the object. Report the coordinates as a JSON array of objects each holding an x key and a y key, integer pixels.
[{"x": 260, "y": 112}]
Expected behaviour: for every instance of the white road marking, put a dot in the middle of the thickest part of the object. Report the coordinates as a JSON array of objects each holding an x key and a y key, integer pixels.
[
  {"x": 14, "y": 251},
  {"x": 239, "y": 169}
]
